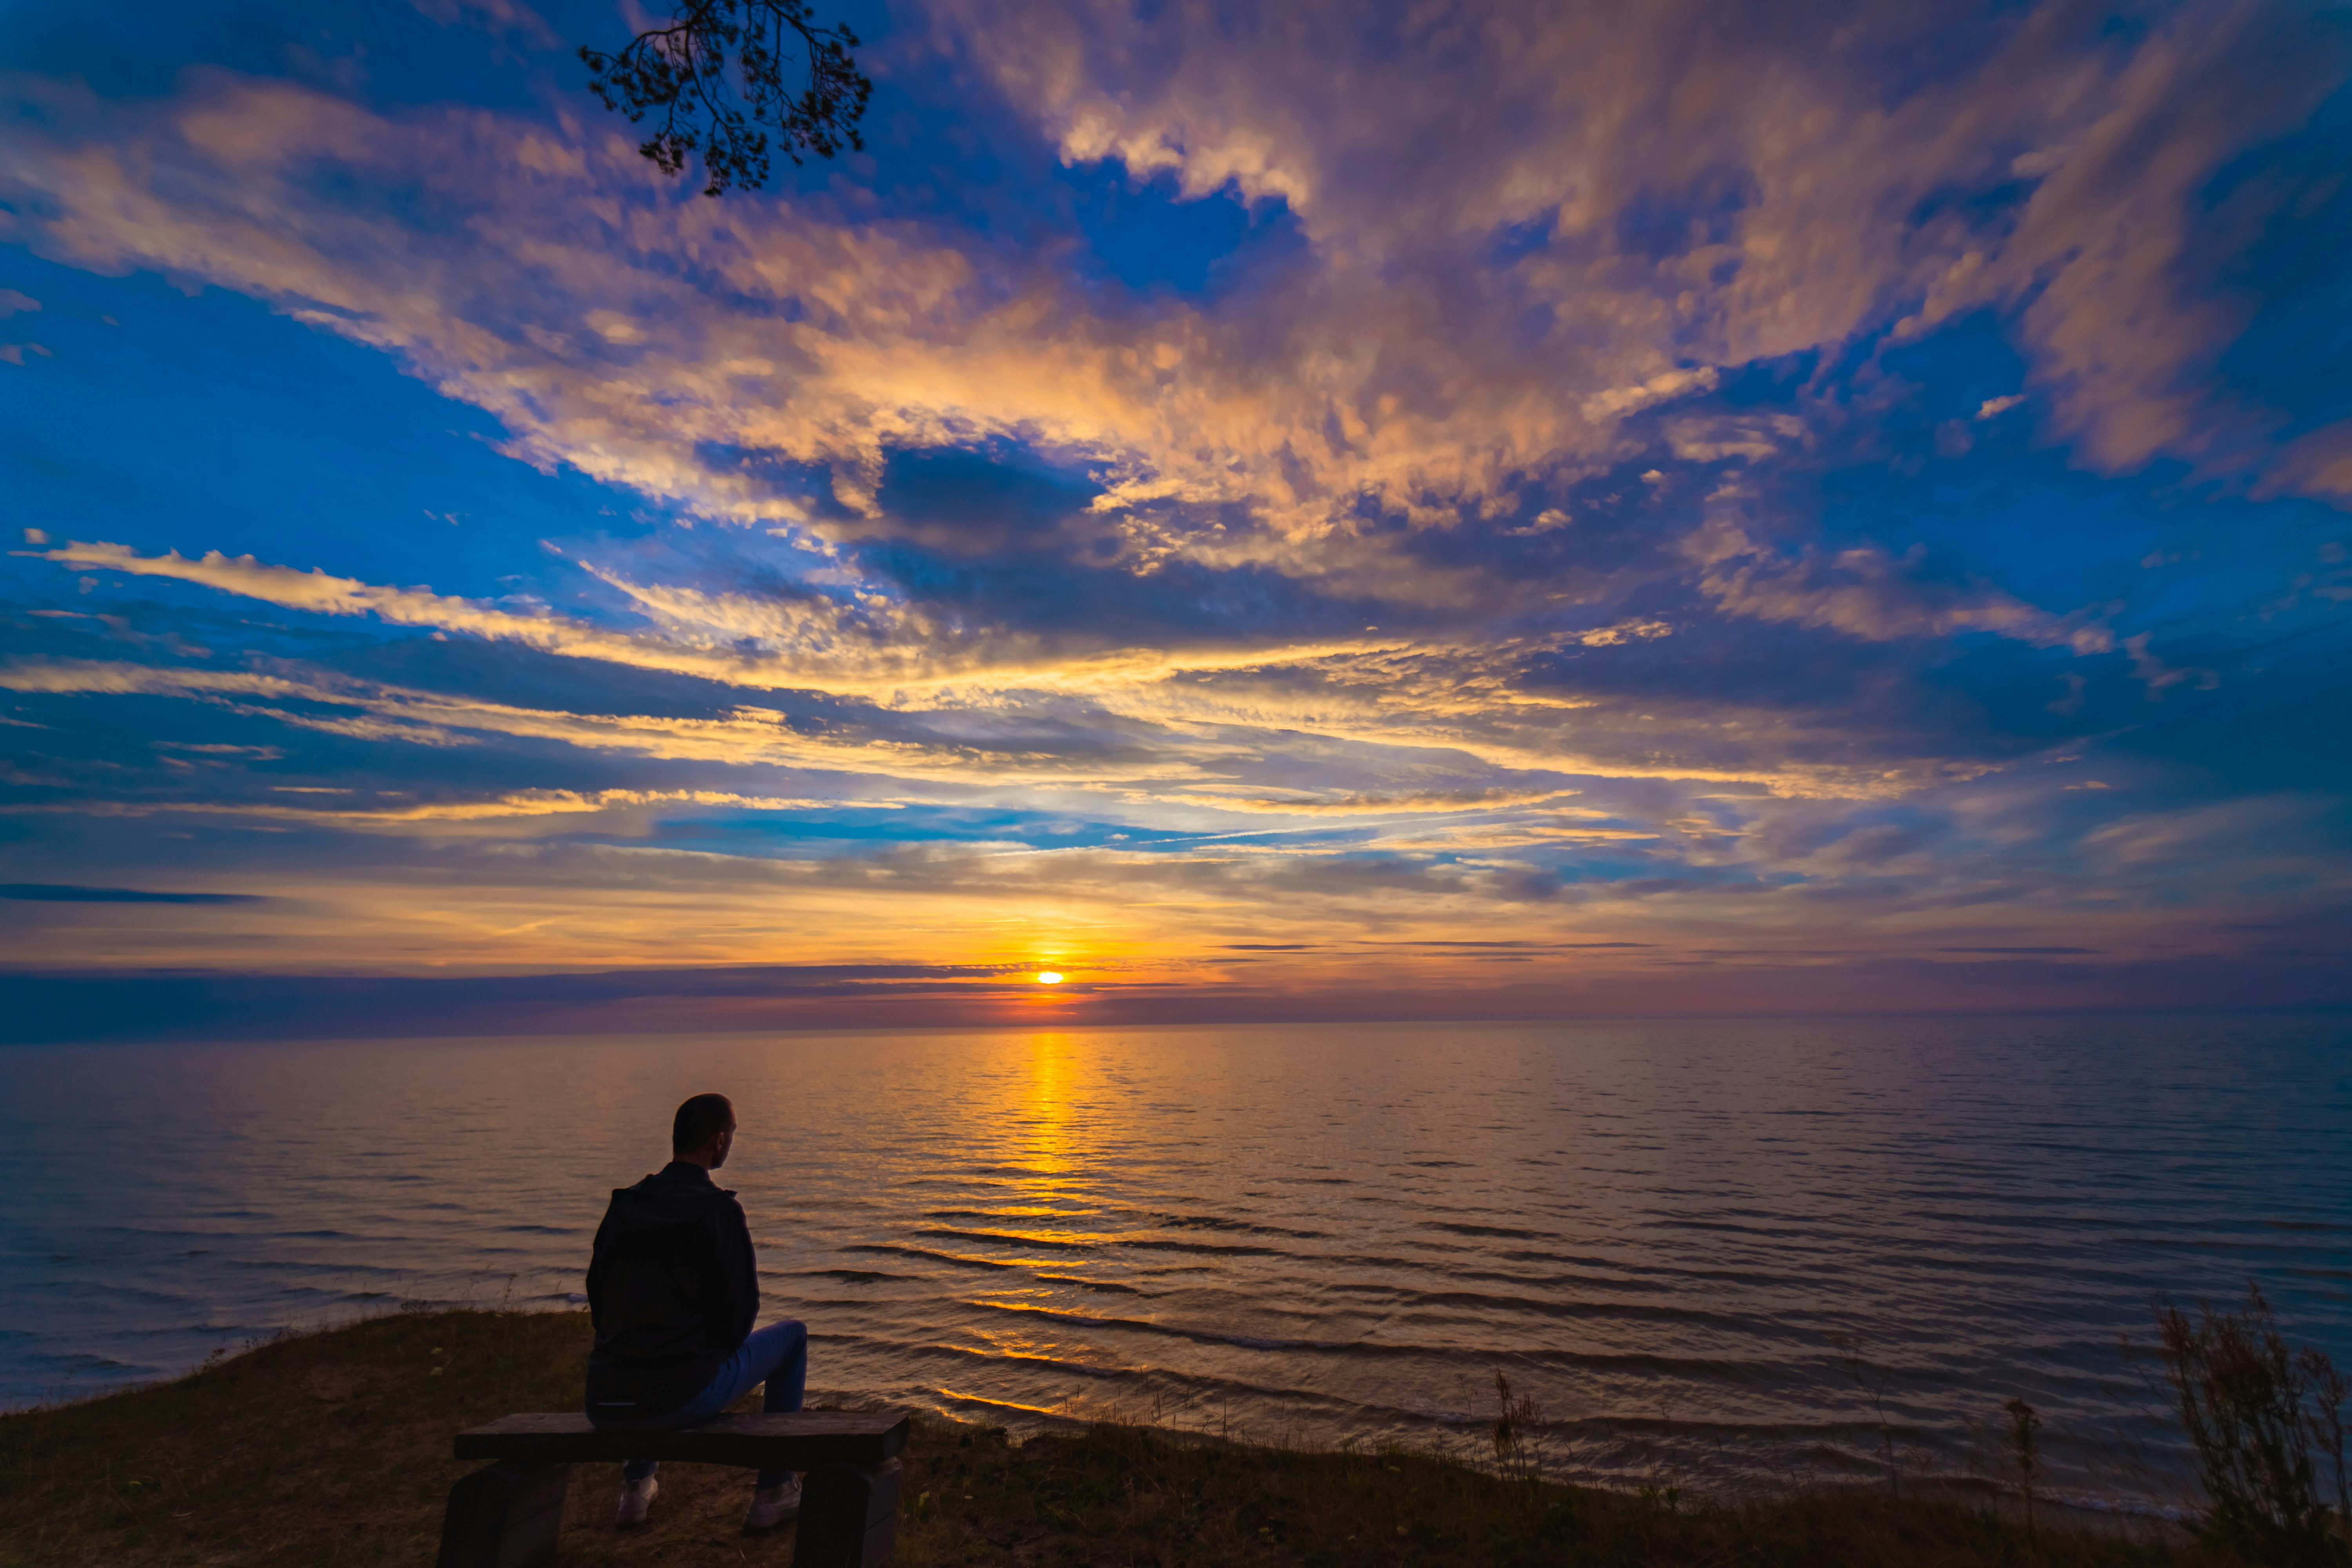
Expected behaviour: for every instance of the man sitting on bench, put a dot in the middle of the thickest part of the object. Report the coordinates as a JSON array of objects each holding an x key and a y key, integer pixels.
[{"x": 673, "y": 1291}]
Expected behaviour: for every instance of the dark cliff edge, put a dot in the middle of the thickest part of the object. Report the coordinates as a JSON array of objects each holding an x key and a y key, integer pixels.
[{"x": 333, "y": 1448}]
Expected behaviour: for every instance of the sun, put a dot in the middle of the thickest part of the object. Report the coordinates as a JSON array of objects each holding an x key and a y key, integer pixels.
[{"x": 1048, "y": 977}]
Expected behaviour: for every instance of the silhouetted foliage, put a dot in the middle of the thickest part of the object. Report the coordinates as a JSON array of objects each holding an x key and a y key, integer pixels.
[
  {"x": 1518, "y": 1432},
  {"x": 717, "y": 76},
  {"x": 2328, "y": 1390},
  {"x": 1874, "y": 1382},
  {"x": 2024, "y": 1422},
  {"x": 2252, "y": 1407}
]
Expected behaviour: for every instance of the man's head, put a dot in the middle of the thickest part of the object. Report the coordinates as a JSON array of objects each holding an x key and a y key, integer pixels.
[{"x": 703, "y": 1130}]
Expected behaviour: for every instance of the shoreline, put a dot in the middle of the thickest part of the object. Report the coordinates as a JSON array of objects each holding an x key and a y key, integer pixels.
[
  {"x": 331, "y": 1446},
  {"x": 1973, "y": 1489}
]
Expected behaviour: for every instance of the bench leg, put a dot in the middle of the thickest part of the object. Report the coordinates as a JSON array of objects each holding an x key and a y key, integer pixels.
[
  {"x": 849, "y": 1516},
  {"x": 504, "y": 1517}
]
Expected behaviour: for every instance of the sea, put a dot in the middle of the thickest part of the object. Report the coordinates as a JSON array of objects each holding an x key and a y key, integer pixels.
[{"x": 1714, "y": 1255}]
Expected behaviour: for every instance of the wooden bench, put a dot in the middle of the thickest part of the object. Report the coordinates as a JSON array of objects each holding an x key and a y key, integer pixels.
[{"x": 507, "y": 1516}]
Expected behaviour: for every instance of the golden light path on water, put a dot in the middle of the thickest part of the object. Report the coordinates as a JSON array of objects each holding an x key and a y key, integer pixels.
[{"x": 1325, "y": 1234}]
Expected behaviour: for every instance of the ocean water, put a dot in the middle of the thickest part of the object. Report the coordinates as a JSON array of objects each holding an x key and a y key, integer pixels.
[{"x": 1328, "y": 1234}]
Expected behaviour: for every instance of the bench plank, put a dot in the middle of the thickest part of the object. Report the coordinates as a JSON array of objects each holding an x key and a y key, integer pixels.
[{"x": 801, "y": 1442}]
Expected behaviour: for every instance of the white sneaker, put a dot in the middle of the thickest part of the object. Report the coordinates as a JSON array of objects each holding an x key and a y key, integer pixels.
[
  {"x": 771, "y": 1506},
  {"x": 635, "y": 1498}
]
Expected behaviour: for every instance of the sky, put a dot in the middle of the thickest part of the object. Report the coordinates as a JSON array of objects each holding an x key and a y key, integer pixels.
[{"x": 1317, "y": 511}]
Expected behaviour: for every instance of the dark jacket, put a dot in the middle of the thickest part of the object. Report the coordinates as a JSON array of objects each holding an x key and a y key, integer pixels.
[{"x": 672, "y": 1290}]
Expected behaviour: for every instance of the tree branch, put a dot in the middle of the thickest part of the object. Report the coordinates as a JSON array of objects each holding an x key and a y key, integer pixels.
[{"x": 723, "y": 115}]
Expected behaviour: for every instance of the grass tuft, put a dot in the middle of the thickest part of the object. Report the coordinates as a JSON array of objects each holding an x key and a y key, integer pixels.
[{"x": 2254, "y": 1410}]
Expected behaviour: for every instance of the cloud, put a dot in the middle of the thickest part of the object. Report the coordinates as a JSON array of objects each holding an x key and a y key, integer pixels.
[
  {"x": 2157, "y": 675},
  {"x": 1370, "y": 690},
  {"x": 2027, "y": 951},
  {"x": 1586, "y": 427},
  {"x": 1368, "y": 805},
  {"x": 2125, "y": 322},
  {"x": 866, "y": 646},
  {"x": 822, "y": 641},
  {"x": 1714, "y": 187},
  {"x": 67, "y": 893},
  {"x": 497, "y": 17},
  {"x": 1867, "y": 592},
  {"x": 1705, "y": 197},
  {"x": 502, "y": 809},
  {"x": 744, "y": 737}
]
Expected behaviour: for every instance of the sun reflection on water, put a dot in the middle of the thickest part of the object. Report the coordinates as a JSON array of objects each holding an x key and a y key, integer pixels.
[{"x": 1047, "y": 1118}]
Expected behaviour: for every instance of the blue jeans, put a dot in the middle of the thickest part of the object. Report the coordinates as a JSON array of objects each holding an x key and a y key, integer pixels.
[{"x": 776, "y": 1355}]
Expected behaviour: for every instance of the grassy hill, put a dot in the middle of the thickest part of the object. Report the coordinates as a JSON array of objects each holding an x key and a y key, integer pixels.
[{"x": 333, "y": 1448}]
